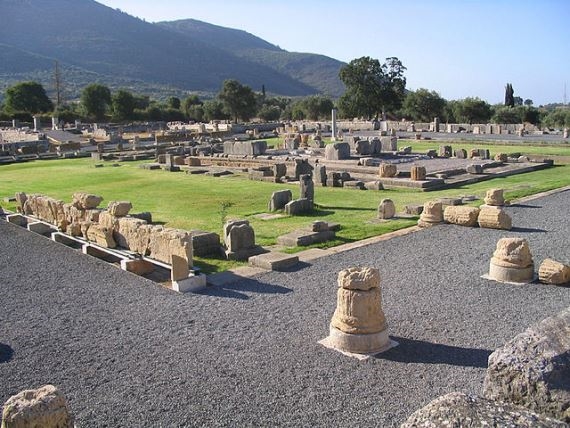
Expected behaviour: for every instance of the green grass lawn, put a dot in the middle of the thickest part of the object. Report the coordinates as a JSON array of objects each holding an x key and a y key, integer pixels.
[
  {"x": 422, "y": 146},
  {"x": 195, "y": 201}
]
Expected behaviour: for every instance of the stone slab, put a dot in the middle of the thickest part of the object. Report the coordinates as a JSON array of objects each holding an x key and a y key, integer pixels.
[
  {"x": 191, "y": 284},
  {"x": 274, "y": 261}
]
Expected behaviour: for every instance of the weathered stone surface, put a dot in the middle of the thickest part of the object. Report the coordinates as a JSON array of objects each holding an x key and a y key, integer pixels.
[
  {"x": 133, "y": 234},
  {"x": 494, "y": 197},
  {"x": 459, "y": 410},
  {"x": 501, "y": 157},
  {"x": 359, "y": 302},
  {"x": 475, "y": 169},
  {"x": 86, "y": 201},
  {"x": 374, "y": 185},
  {"x": 386, "y": 209},
  {"x": 461, "y": 215},
  {"x": 205, "y": 243},
  {"x": 274, "y": 261},
  {"x": 164, "y": 242},
  {"x": 389, "y": 143},
  {"x": 279, "y": 199},
  {"x": 413, "y": 209},
  {"x": 306, "y": 187},
  {"x": 107, "y": 220},
  {"x": 387, "y": 170},
  {"x": 494, "y": 218},
  {"x": 299, "y": 206},
  {"x": 74, "y": 229},
  {"x": 553, "y": 272},
  {"x": 418, "y": 173},
  {"x": 533, "y": 369},
  {"x": 337, "y": 151},
  {"x": 100, "y": 235},
  {"x": 321, "y": 175},
  {"x": 279, "y": 170},
  {"x": 362, "y": 147},
  {"x": 119, "y": 208},
  {"x": 44, "y": 407},
  {"x": 46, "y": 209},
  {"x": 431, "y": 214},
  {"x": 460, "y": 153},
  {"x": 512, "y": 261},
  {"x": 240, "y": 240},
  {"x": 445, "y": 151},
  {"x": 245, "y": 147},
  {"x": 302, "y": 167},
  {"x": 21, "y": 198}
]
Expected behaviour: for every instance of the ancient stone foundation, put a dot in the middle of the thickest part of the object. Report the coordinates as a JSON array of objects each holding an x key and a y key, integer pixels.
[
  {"x": 512, "y": 261},
  {"x": 358, "y": 324}
]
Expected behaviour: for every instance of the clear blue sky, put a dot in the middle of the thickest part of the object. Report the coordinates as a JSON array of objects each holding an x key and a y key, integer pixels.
[{"x": 459, "y": 48}]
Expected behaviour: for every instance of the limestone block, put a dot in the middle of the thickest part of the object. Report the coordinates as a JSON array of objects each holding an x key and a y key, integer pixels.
[
  {"x": 319, "y": 226},
  {"x": 133, "y": 234},
  {"x": 359, "y": 302},
  {"x": 205, "y": 243},
  {"x": 418, "y": 173},
  {"x": 512, "y": 261},
  {"x": 389, "y": 143},
  {"x": 413, "y": 209},
  {"x": 193, "y": 161},
  {"x": 86, "y": 201},
  {"x": 460, "y": 153},
  {"x": 494, "y": 218},
  {"x": 92, "y": 215},
  {"x": 553, "y": 272},
  {"x": 387, "y": 170},
  {"x": 501, "y": 157},
  {"x": 386, "y": 209},
  {"x": 374, "y": 185},
  {"x": 279, "y": 170},
  {"x": 279, "y": 199},
  {"x": 137, "y": 266},
  {"x": 21, "y": 198},
  {"x": 106, "y": 219},
  {"x": 74, "y": 229},
  {"x": 321, "y": 175},
  {"x": 533, "y": 369},
  {"x": 337, "y": 151},
  {"x": 475, "y": 169},
  {"x": 457, "y": 409},
  {"x": 100, "y": 235},
  {"x": 119, "y": 208},
  {"x": 164, "y": 242},
  {"x": 473, "y": 153},
  {"x": 239, "y": 237},
  {"x": 431, "y": 214},
  {"x": 299, "y": 206},
  {"x": 73, "y": 214},
  {"x": 445, "y": 151},
  {"x": 44, "y": 407},
  {"x": 461, "y": 215},
  {"x": 307, "y": 187},
  {"x": 494, "y": 197}
]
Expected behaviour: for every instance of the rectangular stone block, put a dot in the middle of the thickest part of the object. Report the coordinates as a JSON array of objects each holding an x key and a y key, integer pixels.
[{"x": 274, "y": 261}]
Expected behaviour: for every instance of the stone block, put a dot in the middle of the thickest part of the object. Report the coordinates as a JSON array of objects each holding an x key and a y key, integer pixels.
[
  {"x": 133, "y": 234},
  {"x": 337, "y": 151},
  {"x": 44, "y": 407},
  {"x": 494, "y": 218},
  {"x": 100, "y": 235},
  {"x": 512, "y": 261},
  {"x": 475, "y": 169},
  {"x": 457, "y": 409},
  {"x": 413, "y": 209},
  {"x": 362, "y": 147},
  {"x": 387, "y": 170},
  {"x": 461, "y": 215},
  {"x": 279, "y": 170},
  {"x": 501, "y": 157},
  {"x": 320, "y": 175},
  {"x": 494, "y": 197},
  {"x": 389, "y": 143},
  {"x": 533, "y": 369},
  {"x": 418, "y": 173},
  {"x": 553, "y": 272},
  {"x": 274, "y": 261},
  {"x": 299, "y": 206},
  {"x": 374, "y": 185},
  {"x": 193, "y": 161},
  {"x": 86, "y": 201},
  {"x": 460, "y": 154},
  {"x": 119, "y": 208},
  {"x": 306, "y": 187},
  {"x": 354, "y": 184},
  {"x": 165, "y": 242},
  {"x": 21, "y": 198},
  {"x": 386, "y": 209},
  {"x": 193, "y": 283},
  {"x": 445, "y": 151},
  {"x": 319, "y": 226},
  {"x": 302, "y": 167},
  {"x": 279, "y": 199},
  {"x": 137, "y": 266}
]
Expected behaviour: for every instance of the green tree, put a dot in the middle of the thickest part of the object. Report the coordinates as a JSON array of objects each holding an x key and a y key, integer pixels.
[
  {"x": 174, "y": 103},
  {"x": 372, "y": 88},
  {"x": 27, "y": 97},
  {"x": 509, "y": 95},
  {"x": 317, "y": 107},
  {"x": 557, "y": 118},
  {"x": 239, "y": 100},
  {"x": 95, "y": 99},
  {"x": 506, "y": 114},
  {"x": 528, "y": 102},
  {"x": 472, "y": 110},
  {"x": 123, "y": 103},
  {"x": 214, "y": 110},
  {"x": 269, "y": 113},
  {"x": 423, "y": 105},
  {"x": 192, "y": 108}
]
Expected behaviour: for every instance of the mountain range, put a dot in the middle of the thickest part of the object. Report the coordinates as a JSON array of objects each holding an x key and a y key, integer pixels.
[{"x": 92, "y": 42}]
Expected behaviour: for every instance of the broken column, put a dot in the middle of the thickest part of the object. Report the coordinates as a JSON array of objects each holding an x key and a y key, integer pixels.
[
  {"x": 358, "y": 324},
  {"x": 334, "y": 129},
  {"x": 387, "y": 170},
  {"x": 386, "y": 209},
  {"x": 418, "y": 173},
  {"x": 461, "y": 215},
  {"x": 553, "y": 272},
  {"x": 512, "y": 261},
  {"x": 494, "y": 197},
  {"x": 43, "y": 407},
  {"x": 491, "y": 217},
  {"x": 431, "y": 215}
]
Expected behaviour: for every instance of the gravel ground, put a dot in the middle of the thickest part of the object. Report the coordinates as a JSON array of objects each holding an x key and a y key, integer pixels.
[{"x": 126, "y": 352}]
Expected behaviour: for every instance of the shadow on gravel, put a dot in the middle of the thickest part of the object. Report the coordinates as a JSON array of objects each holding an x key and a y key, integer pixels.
[
  {"x": 524, "y": 206},
  {"x": 419, "y": 351},
  {"x": 237, "y": 289},
  {"x": 527, "y": 230},
  {"x": 6, "y": 353}
]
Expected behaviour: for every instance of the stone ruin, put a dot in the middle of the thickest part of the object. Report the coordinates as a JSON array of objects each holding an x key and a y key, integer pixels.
[
  {"x": 492, "y": 217},
  {"x": 431, "y": 215},
  {"x": 319, "y": 231},
  {"x": 387, "y": 170},
  {"x": 307, "y": 188},
  {"x": 358, "y": 324},
  {"x": 553, "y": 272},
  {"x": 418, "y": 173},
  {"x": 386, "y": 209},
  {"x": 461, "y": 215},
  {"x": 239, "y": 238},
  {"x": 241, "y": 148},
  {"x": 44, "y": 407},
  {"x": 494, "y": 197},
  {"x": 512, "y": 261},
  {"x": 279, "y": 199},
  {"x": 337, "y": 151}
]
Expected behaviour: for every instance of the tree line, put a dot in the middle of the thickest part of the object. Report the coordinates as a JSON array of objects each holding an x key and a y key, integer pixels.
[{"x": 373, "y": 90}]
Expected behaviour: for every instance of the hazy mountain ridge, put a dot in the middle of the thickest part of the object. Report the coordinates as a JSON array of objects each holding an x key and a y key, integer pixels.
[{"x": 193, "y": 56}]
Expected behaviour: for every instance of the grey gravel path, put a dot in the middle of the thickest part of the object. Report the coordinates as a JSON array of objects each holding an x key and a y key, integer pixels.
[{"x": 128, "y": 353}]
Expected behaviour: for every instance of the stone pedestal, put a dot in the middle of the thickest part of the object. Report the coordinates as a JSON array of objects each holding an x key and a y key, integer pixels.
[
  {"x": 358, "y": 324},
  {"x": 387, "y": 170},
  {"x": 431, "y": 215},
  {"x": 512, "y": 261}
]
